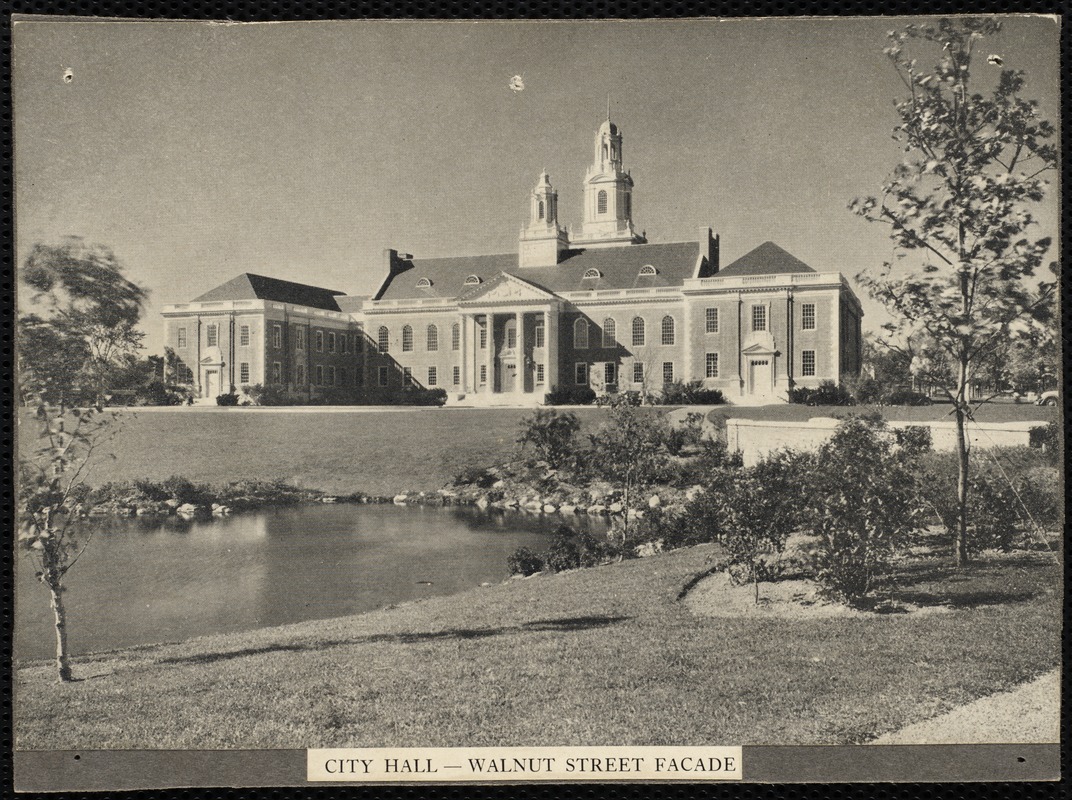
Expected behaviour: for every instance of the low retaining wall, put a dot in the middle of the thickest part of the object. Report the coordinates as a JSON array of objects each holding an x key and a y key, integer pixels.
[{"x": 757, "y": 438}]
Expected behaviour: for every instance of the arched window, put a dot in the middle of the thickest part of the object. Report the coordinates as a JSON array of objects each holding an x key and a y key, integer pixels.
[
  {"x": 648, "y": 269},
  {"x": 540, "y": 210},
  {"x": 580, "y": 334},
  {"x": 608, "y": 332},
  {"x": 601, "y": 202},
  {"x": 638, "y": 332},
  {"x": 668, "y": 330},
  {"x": 604, "y": 150},
  {"x": 455, "y": 336},
  {"x": 472, "y": 280},
  {"x": 383, "y": 339},
  {"x": 407, "y": 339},
  {"x": 593, "y": 273},
  {"x": 433, "y": 338},
  {"x": 424, "y": 283}
]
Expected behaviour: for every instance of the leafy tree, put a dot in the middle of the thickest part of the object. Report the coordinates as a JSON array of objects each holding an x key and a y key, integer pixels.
[
  {"x": 551, "y": 435},
  {"x": 961, "y": 200}
]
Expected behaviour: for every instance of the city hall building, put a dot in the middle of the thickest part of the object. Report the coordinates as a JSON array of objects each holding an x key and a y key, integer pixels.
[{"x": 601, "y": 308}]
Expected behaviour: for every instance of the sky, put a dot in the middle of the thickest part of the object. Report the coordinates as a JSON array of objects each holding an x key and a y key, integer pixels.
[{"x": 198, "y": 151}]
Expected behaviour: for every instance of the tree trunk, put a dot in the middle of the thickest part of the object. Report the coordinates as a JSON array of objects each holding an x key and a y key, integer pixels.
[
  {"x": 755, "y": 578},
  {"x": 961, "y": 545},
  {"x": 62, "y": 658}
]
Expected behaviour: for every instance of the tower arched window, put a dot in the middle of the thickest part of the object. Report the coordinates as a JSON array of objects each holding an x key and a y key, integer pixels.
[
  {"x": 668, "y": 330},
  {"x": 383, "y": 339},
  {"x": 539, "y": 211},
  {"x": 609, "y": 332},
  {"x": 601, "y": 201},
  {"x": 580, "y": 334},
  {"x": 639, "y": 331},
  {"x": 604, "y": 151},
  {"x": 407, "y": 339},
  {"x": 433, "y": 338}
]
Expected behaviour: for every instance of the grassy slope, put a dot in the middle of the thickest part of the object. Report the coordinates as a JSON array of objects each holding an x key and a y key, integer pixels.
[
  {"x": 990, "y": 412},
  {"x": 600, "y": 656}
]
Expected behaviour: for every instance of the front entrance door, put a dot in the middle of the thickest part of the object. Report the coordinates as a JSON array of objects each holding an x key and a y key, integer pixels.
[
  {"x": 760, "y": 378},
  {"x": 508, "y": 357},
  {"x": 212, "y": 383}
]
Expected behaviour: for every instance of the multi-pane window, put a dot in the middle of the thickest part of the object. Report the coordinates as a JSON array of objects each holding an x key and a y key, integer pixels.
[
  {"x": 807, "y": 316},
  {"x": 580, "y": 334},
  {"x": 638, "y": 372},
  {"x": 382, "y": 374},
  {"x": 456, "y": 376},
  {"x": 759, "y": 318},
  {"x": 638, "y": 332},
  {"x": 539, "y": 373},
  {"x": 668, "y": 330},
  {"x": 540, "y": 334},
  {"x": 483, "y": 373},
  {"x": 511, "y": 338},
  {"x": 212, "y": 335},
  {"x": 299, "y": 375},
  {"x": 359, "y": 341},
  {"x": 181, "y": 337},
  {"x": 331, "y": 342},
  {"x": 407, "y": 339},
  {"x": 243, "y": 372},
  {"x": 383, "y": 341},
  {"x": 331, "y": 376},
  {"x": 455, "y": 336},
  {"x": 712, "y": 365},
  {"x": 668, "y": 372},
  {"x": 610, "y": 372},
  {"x": 433, "y": 338},
  {"x": 807, "y": 363},
  {"x": 277, "y": 372},
  {"x": 580, "y": 373},
  {"x": 483, "y": 336},
  {"x": 299, "y": 338},
  {"x": 711, "y": 320},
  {"x": 433, "y": 376},
  {"x": 277, "y": 336},
  {"x": 243, "y": 336},
  {"x": 318, "y": 338},
  {"x": 609, "y": 332},
  {"x": 601, "y": 202},
  {"x": 319, "y": 374},
  {"x": 407, "y": 376}
]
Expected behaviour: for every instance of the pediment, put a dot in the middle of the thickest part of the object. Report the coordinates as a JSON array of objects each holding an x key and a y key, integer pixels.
[
  {"x": 759, "y": 349},
  {"x": 506, "y": 288}
]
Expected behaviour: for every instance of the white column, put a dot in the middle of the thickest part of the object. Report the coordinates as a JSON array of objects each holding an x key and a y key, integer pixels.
[
  {"x": 519, "y": 352},
  {"x": 489, "y": 356},
  {"x": 463, "y": 360},
  {"x": 550, "y": 340}
]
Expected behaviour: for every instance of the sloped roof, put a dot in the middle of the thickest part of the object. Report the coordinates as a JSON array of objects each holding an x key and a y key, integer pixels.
[
  {"x": 351, "y": 302},
  {"x": 767, "y": 259},
  {"x": 619, "y": 268},
  {"x": 248, "y": 286}
]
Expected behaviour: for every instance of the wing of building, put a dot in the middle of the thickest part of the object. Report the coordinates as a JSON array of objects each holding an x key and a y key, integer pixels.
[{"x": 602, "y": 308}]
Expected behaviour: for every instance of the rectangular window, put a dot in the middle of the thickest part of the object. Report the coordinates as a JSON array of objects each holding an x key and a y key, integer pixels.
[
  {"x": 277, "y": 372},
  {"x": 483, "y": 337},
  {"x": 181, "y": 337},
  {"x": 212, "y": 336},
  {"x": 807, "y": 316},
  {"x": 511, "y": 338},
  {"x": 331, "y": 342},
  {"x": 483, "y": 373},
  {"x": 331, "y": 376},
  {"x": 299, "y": 338},
  {"x": 539, "y": 335},
  {"x": 342, "y": 376},
  {"x": 344, "y": 343},
  {"x": 759, "y": 318},
  {"x": 456, "y": 376},
  {"x": 319, "y": 372},
  {"x": 711, "y": 320},
  {"x": 807, "y": 363},
  {"x": 433, "y": 376},
  {"x": 359, "y": 342},
  {"x": 668, "y": 372},
  {"x": 580, "y": 373},
  {"x": 277, "y": 336},
  {"x": 319, "y": 339},
  {"x": 299, "y": 375},
  {"x": 610, "y": 372},
  {"x": 407, "y": 376},
  {"x": 712, "y": 365},
  {"x": 243, "y": 373},
  {"x": 638, "y": 372},
  {"x": 382, "y": 375},
  {"x": 539, "y": 373},
  {"x": 243, "y": 336}
]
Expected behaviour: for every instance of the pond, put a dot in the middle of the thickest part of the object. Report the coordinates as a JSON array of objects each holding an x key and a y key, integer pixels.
[{"x": 142, "y": 582}]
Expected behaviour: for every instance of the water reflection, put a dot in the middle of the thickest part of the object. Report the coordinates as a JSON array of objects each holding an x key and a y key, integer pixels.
[{"x": 144, "y": 581}]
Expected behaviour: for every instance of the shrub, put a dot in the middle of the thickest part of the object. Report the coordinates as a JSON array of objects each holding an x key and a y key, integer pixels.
[
  {"x": 158, "y": 393},
  {"x": 524, "y": 562},
  {"x": 913, "y": 440},
  {"x": 269, "y": 395},
  {"x": 1047, "y": 438},
  {"x": 688, "y": 434},
  {"x": 564, "y": 552},
  {"x": 185, "y": 491},
  {"x": 229, "y": 399},
  {"x": 570, "y": 396},
  {"x": 692, "y": 393},
  {"x": 550, "y": 434},
  {"x": 418, "y": 396},
  {"x": 475, "y": 476},
  {"x": 905, "y": 397},
  {"x": 827, "y": 393},
  {"x": 868, "y": 391}
]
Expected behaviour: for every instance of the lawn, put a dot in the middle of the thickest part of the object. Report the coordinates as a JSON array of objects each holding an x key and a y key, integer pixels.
[
  {"x": 605, "y": 656},
  {"x": 989, "y": 412}
]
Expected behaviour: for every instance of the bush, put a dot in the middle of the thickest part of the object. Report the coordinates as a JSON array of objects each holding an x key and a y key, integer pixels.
[
  {"x": 905, "y": 397},
  {"x": 1047, "y": 438},
  {"x": 475, "y": 476},
  {"x": 185, "y": 491},
  {"x": 913, "y": 440},
  {"x": 827, "y": 393},
  {"x": 158, "y": 393},
  {"x": 868, "y": 391},
  {"x": 269, "y": 395},
  {"x": 229, "y": 399},
  {"x": 570, "y": 396},
  {"x": 692, "y": 393},
  {"x": 418, "y": 396},
  {"x": 572, "y": 550},
  {"x": 687, "y": 435},
  {"x": 524, "y": 562},
  {"x": 550, "y": 434}
]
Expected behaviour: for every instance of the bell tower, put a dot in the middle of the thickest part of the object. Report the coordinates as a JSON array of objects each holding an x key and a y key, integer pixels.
[
  {"x": 608, "y": 194},
  {"x": 542, "y": 241}
]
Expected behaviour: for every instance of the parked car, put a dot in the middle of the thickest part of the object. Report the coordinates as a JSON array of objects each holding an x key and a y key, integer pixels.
[{"x": 1050, "y": 398}]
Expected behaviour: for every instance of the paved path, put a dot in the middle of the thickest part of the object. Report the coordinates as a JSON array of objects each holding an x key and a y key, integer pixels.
[{"x": 1030, "y": 713}]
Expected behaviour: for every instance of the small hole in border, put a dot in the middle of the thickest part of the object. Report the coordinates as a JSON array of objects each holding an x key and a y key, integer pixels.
[
  {"x": 77, "y": 757},
  {"x": 1021, "y": 759}
]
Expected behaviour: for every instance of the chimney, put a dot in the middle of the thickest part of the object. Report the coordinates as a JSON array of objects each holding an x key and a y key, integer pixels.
[{"x": 709, "y": 250}]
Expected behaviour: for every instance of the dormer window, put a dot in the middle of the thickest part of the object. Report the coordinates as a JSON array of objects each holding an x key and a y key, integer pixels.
[
  {"x": 424, "y": 283},
  {"x": 472, "y": 280},
  {"x": 648, "y": 269},
  {"x": 592, "y": 273}
]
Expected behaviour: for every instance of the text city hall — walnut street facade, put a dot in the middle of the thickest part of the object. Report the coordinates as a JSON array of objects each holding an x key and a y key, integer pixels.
[{"x": 602, "y": 308}]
